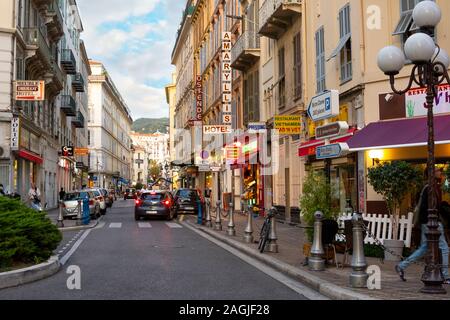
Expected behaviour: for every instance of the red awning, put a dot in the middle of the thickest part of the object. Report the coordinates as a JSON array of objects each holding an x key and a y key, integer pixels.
[
  {"x": 30, "y": 156},
  {"x": 400, "y": 133},
  {"x": 309, "y": 148}
]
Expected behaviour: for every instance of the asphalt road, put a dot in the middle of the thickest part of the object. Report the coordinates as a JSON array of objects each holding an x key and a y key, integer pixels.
[{"x": 155, "y": 260}]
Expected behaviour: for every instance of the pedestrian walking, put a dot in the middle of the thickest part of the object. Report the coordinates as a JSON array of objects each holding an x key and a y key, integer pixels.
[{"x": 422, "y": 219}]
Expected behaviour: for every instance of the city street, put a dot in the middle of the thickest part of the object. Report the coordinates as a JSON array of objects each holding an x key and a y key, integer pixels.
[{"x": 125, "y": 259}]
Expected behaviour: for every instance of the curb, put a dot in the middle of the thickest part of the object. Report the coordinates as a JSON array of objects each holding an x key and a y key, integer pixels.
[
  {"x": 325, "y": 288},
  {"x": 77, "y": 228},
  {"x": 31, "y": 274}
]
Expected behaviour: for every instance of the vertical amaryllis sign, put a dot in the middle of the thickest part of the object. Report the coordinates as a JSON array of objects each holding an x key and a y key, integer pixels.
[
  {"x": 198, "y": 98},
  {"x": 227, "y": 112}
]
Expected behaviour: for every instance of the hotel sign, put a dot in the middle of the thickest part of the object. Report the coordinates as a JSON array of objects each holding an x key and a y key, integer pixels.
[
  {"x": 199, "y": 98},
  {"x": 227, "y": 78},
  {"x": 27, "y": 90},
  {"x": 15, "y": 132},
  {"x": 216, "y": 129}
]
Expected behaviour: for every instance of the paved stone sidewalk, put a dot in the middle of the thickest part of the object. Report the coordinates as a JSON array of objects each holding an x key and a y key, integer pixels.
[{"x": 290, "y": 242}]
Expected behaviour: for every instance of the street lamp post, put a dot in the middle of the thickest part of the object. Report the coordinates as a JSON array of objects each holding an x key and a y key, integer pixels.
[{"x": 430, "y": 70}]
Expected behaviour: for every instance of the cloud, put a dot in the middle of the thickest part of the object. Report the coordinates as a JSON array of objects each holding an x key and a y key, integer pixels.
[{"x": 134, "y": 39}]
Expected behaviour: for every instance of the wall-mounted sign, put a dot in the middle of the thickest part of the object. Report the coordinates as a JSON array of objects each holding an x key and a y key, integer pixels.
[
  {"x": 288, "y": 124},
  {"x": 15, "y": 134},
  {"x": 28, "y": 90},
  {"x": 80, "y": 165},
  {"x": 216, "y": 129},
  {"x": 67, "y": 151},
  {"x": 227, "y": 115},
  {"x": 324, "y": 106},
  {"x": 332, "y": 130},
  {"x": 198, "y": 98},
  {"x": 415, "y": 101},
  {"x": 204, "y": 167},
  {"x": 256, "y": 127},
  {"x": 216, "y": 169},
  {"x": 332, "y": 151},
  {"x": 81, "y": 151}
]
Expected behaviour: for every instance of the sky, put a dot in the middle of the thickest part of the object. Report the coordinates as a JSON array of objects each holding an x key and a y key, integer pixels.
[{"x": 134, "y": 39}]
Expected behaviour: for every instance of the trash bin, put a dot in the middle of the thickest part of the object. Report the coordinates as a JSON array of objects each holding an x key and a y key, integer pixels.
[{"x": 86, "y": 214}]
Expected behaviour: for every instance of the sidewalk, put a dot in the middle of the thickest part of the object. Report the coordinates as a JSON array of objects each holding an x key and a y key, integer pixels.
[
  {"x": 69, "y": 225},
  {"x": 290, "y": 244}
]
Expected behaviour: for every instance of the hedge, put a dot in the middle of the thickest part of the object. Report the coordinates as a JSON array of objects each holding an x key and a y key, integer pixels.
[{"x": 26, "y": 236}]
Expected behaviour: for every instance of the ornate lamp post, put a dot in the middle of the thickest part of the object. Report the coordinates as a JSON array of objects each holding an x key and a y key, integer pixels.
[{"x": 430, "y": 70}]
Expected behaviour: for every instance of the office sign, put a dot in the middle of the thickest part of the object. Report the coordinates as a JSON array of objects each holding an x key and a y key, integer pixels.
[
  {"x": 324, "y": 106},
  {"x": 216, "y": 129},
  {"x": 15, "y": 134},
  {"x": 29, "y": 90},
  {"x": 81, "y": 151},
  {"x": 332, "y": 151},
  {"x": 67, "y": 151},
  {"x": 332, "y": 130},
  {"x": 288, "y": 125}
]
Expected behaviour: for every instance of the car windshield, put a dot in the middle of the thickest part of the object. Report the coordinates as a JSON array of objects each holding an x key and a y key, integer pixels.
[
  {"x": 152, "y": 196},
  {"x": 187, "y": 194},
  {"x": 75, "y": 196}
]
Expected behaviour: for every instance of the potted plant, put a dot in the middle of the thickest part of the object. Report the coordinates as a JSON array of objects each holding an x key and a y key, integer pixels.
[
  {"x": 317, "y": 196},
  {"x": 394, "y": 181}
]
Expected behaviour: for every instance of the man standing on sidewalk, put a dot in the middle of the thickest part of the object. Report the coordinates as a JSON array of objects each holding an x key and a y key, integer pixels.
[
  {"x": 423, "y": 220},
  {"x": 62, "y": 194}
]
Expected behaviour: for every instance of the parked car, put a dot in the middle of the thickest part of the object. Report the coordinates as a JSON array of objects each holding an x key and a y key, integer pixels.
[
  {"x": 100, "y": 199},
  {"x": 108, "y": 198},
  {"x": 70, "y": 204},
  {"x": 155, "y": 204},
  {"x": 186, "y": 201},
  {"x": 130, "y": 194}
]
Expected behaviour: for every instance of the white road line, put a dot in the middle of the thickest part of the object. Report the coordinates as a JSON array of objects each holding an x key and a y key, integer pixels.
[
  {"x": 115, "y": 225},
  {"x": 75, "y": 247},
  {"x": 290, "y": 283},
  {"x": 173, "y": 225},
  {"x": 144, "y": 225}
]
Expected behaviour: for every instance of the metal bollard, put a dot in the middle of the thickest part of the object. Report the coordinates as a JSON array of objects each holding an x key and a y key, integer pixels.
[
  {"x": 358, "y": 277},
  {"x": 231, "y": 225},
  {"x": 316, "y": 262},
  {"x": 273, "y": 246},
  {"x": 248, "y": 233},
  {"x": 218, "y": 225},
  {"x": 79, "y": 222},
  {"x": 208, "y": 213},
  {"x": 60, "y": 215}
]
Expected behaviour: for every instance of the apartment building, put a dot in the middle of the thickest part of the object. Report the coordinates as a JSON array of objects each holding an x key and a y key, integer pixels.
[
  {"x": 36, "y": 37},
  {"x": 110, "y": 157}
]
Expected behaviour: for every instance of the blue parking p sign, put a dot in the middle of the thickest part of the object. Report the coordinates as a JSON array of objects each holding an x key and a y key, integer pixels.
[{"x": 328, "y": 104}]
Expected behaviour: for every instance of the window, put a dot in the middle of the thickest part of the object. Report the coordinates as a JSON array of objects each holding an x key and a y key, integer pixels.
[
  {"x": 282, "y": 79},
  {"x": 320, "y": 60},
  {"x": 346, "y": 50},
  {"x": 297, "y": 67},
  {"x": 406, "y": 23}
]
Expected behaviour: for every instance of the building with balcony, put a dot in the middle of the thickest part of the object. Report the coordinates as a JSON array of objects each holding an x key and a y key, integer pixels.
[
  {"x": 110, "y": 157},
  {"x": 35, "y": 34}
]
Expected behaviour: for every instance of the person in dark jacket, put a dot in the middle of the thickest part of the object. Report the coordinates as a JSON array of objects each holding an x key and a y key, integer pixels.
[{"x": 423, "y": 248}]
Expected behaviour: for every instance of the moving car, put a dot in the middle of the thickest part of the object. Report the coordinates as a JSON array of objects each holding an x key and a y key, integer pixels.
[
  {"x": 187, "y": 201},
  {"x": 155, "y": 204},
  {"x": 130, "y": 194},
  {"x": 100, "y": 199},
  {"x": 70, "y": 204}
]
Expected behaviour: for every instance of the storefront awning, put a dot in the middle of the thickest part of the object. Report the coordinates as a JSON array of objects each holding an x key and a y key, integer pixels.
[
  {"x": 309, "y": 148},
  {"x": 30, "y": 156},
  {"x": 400, "y": 134}
]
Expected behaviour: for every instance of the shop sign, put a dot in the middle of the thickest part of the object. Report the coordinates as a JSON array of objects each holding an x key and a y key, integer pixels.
[
  {"x": 216, "y": 169},
  {"x": 81, "y": 151},
  {"x": 324, "y": 106},
  {"x": 216, "y": 129},
  {"x": 15, "y": 132},
  {"x": 256, "y": 127},
  {"x": 80, "y": 165},
  {"x": 67, "y": 151},
  {"x": 415, "y": 101},
  {"x": 332, "y": 151},
  {"x": 27, "y": 90},
  {"x": 332, "y": 130},
  {"x": 232, "y": 153},
  {"x": 204, "y": 167},
  {"x": 199, "y": 98},
  {"x": 288, "y": 125},
  {"x": 251, "y": 147}
]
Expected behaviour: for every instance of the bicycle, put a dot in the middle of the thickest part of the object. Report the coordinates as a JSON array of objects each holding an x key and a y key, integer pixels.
[{"x": 265, "y": 230}]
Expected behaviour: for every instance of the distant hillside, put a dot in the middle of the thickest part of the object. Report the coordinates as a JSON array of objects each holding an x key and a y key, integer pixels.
[{"x": 146, "y": 125}]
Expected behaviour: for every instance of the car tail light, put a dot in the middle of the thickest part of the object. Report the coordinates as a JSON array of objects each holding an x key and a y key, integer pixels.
[
  {"x": 166, "y": 203},
  {"x": 138, "y": 203}
]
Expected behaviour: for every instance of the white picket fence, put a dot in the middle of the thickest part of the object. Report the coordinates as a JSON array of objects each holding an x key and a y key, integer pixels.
[{"x": 381, "y": 227}]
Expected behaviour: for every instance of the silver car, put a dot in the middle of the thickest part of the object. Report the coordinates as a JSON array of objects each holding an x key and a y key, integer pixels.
[
  {"x": 98, "y": 195},
  {"x": 70, "y": 204}
]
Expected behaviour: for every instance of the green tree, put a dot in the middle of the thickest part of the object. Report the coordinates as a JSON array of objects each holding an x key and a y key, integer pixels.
[
  {"x": 317, "y": 196},
  {"x": 394, "y": 181},
  {"x": 154, "y": 170}
]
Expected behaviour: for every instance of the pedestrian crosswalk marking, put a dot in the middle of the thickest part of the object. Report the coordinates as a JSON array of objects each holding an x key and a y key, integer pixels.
[
  {"x": 117, "y": 225},
  {"x": 144, "y": 225},
  {"x": 173, "y": 225}
]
